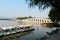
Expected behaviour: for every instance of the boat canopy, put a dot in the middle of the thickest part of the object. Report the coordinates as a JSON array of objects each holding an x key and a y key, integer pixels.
[
  {"x": 10, "y": 27},
  {"x": 4, "y": 28}
]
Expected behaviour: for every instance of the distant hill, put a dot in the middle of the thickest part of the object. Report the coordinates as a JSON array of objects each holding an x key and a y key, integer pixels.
[{"x": 5, "y": 19}]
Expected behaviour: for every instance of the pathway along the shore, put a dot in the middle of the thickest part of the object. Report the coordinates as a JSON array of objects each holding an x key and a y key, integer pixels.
[{"x": 54, "y": 36}]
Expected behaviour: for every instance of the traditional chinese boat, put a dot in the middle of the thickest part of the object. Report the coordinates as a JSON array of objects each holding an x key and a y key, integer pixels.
[{"x": 15, "y": 29}]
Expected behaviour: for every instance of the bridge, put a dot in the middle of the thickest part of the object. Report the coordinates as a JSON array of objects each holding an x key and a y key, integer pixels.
[{"x": 42, "y": 21}]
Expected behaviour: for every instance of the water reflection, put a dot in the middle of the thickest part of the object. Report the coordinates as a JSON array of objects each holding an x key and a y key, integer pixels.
[
  {"x": 38, "y": 33},
  {"x": 14, "y": 36}
]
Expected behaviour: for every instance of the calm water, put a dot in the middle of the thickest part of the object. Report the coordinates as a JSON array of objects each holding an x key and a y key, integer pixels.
[{"x": 32, "y": 35}]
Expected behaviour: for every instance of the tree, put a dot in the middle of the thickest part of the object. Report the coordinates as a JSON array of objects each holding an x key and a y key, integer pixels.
[
  {"x": 44, "y": 3},
  {"x": 54, "y": 14},
  {"x": 30, "y": 16},
  {"x": 22, "y": 18}
]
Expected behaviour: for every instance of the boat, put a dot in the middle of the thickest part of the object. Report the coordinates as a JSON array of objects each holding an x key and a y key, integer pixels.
[{"x": 15, "y": 29}]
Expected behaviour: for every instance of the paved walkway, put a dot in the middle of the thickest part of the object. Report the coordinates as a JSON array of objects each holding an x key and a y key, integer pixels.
[{"x": 54, "y": 36}]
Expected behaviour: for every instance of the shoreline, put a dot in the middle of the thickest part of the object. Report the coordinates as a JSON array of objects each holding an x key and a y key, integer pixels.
[{"x": 54, "y": 35}]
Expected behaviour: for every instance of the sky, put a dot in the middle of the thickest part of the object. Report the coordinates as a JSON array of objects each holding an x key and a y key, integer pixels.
[{"x": 19, "y": 8}]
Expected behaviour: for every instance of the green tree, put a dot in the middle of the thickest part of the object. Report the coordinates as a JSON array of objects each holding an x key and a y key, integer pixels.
[
  {"x": 54, "y": 14},
  {"x": 22, "y": 18},
  {"x": 44, "y": 3},
  {"x": 30, "y": 16}
]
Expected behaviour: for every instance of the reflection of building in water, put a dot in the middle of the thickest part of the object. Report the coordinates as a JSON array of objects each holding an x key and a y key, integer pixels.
[{"x": 42, "y": 21}]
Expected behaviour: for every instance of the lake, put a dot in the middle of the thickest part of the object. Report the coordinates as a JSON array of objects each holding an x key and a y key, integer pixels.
[{"x": 32, "y": 35}]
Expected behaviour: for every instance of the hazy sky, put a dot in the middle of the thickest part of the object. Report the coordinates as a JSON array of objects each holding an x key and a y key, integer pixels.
[{"x": 16, "y": 8}]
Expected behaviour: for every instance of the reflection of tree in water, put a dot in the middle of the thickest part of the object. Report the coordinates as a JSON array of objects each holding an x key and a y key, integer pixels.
[
  {"x": 14, "y": 36},
  {"x": 21, "y": 23}
]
